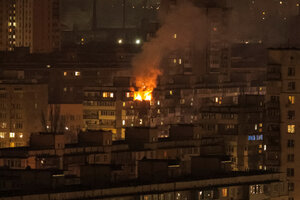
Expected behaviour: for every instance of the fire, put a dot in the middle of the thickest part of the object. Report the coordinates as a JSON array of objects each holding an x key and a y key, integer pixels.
[{"x": 143, "y": 95}]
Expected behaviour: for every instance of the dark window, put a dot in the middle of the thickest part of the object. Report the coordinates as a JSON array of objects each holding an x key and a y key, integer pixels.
[
  {"x": 290, "y": 172},
  {"x": 291, "y": 86},
  {"x": 291, "y": 143},
  {"x": 291, "y": 186},
  {"x": 291, "y": 71},
  {"x": 291, "y": 114}
]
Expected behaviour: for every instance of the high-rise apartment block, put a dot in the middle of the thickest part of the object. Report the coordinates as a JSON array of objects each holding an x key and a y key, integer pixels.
[
  {"x": 30, "y": 23},
  {"x": 21, "y": 108}
]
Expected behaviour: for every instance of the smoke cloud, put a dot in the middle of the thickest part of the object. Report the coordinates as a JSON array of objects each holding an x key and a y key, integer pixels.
[{"x": 182, "y": 26}]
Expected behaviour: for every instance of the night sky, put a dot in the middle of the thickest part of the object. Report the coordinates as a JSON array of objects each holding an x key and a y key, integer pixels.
[{"x": 78, "y": 13}]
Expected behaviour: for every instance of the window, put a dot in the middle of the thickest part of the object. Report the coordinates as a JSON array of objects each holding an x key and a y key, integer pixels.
[
  {"x": 290, "y": 157},
  {"x": 2, "y": 134},
  {"x": 11, "y": 134},
  {"x": 291, "y": 186},
  {"x": 3, "y": 125},
  {"x": 291, "y": 99},
  {"x": 224, "y": 192},
  {"x": 77, "y": 73},
  {"x": 290, "y": 172},
  {"x": 65, "y": 73},
  {"x": 123, "y": 122},
  {"x": 111, "y": 95},
  {"x": 274, "y": 98},
  {"x": 256, "y": 189},
  {"x": 291, "y": 114},
  {"x": 290, "y": 143},
  {"x": 291, "y": 71},
  {"x": 291, "y": 128},
  {"x": 291, "y": 85}
]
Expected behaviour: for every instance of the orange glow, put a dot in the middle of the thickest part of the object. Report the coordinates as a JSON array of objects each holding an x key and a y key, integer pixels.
[
  {"x": 143, "y": 95},
  {"x": 145, "y": 82}
]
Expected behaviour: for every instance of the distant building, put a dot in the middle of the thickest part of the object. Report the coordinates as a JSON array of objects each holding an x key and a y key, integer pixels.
[
  {"x": 33, "y": 24},
  {"x": 21, "y": 108}
]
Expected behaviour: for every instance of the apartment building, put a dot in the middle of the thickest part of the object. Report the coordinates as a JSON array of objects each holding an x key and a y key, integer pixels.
[
  {"x": 284, "y": 86},
  {"x": 33, "y": 24},
  {"x": 21, "y": 108}
]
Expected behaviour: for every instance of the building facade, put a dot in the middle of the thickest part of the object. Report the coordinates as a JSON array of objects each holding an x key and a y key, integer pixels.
[
  {"x": 21, "y": 110},
  {"x": 32, "y": 24}
]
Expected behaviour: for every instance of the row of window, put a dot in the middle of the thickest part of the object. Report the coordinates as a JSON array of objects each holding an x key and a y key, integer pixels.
[{"x": 11, "y": 135}]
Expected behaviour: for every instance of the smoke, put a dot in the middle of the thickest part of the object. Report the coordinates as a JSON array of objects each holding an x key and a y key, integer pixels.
[{"x": 182, "y": 26}]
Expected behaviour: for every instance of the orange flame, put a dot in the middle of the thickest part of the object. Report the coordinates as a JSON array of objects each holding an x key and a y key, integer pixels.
[{"x": 143, "y": 95}]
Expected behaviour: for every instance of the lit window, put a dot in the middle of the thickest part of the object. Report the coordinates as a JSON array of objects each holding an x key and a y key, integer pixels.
[
  {"x": 120, "y": 41},
  {"x": 111, "y": 95},
  {"x": 124, "y": 104},
  {"x": 65, "y": 73},
  {"x": 2, "y": 134},
  {"x": 251, "y": 137},
  {"x": 21, "y": 135},
  {"x": 265, "y": 147},
  {"x": 123, "y": 122},
  {"x": 158, "y": 102},
  {"x": 105, "y": 94},
  {"x": 127, "y": 94},
  {"x": 141, "y": 121},
  {"x": 224, "y": 192},
  {"x": 11, "y": 134},
  {"x": 179, "y": 61},
  {"x": 291, "y": 128},
  {"x": 291, "y": 99},
  {"x": 77, "y": 73},
  {"x": 171, "y": 92},
  {"x": 174, "y": 61},
  {"x": 255, "y": 127},
  {"x": 175, "y": 36}
]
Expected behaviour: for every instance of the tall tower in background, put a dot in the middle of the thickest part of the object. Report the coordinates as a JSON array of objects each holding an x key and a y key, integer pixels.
[{"x": 30, "y": 23}]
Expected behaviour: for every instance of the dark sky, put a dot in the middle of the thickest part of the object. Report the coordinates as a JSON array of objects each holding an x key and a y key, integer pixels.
[{"x": 78, "y": 13}]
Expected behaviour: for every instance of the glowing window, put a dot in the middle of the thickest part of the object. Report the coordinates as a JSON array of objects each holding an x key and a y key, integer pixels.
[
  {"x": 171, "y": 92},
  {"x": 180, "y": 61},
  {"x": 2, "y": 134},
  {"x": 175, "y": 36},
  {"x": 111, "y": 95},
  {"x": 291, "y": 99},
  {"x": 77, "y": 73},
  {"x": 224, "y": 192},
  {"x": 105, "y": 94},
  {"x": 123, "y": 122},
  {"x": 11, "y": 134},
  {"x": 127, "y": 94},
  {"x": 21, "y": 135},
  {"x": 65, "y": 73},
  {"x": 291, "y": 128}
]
